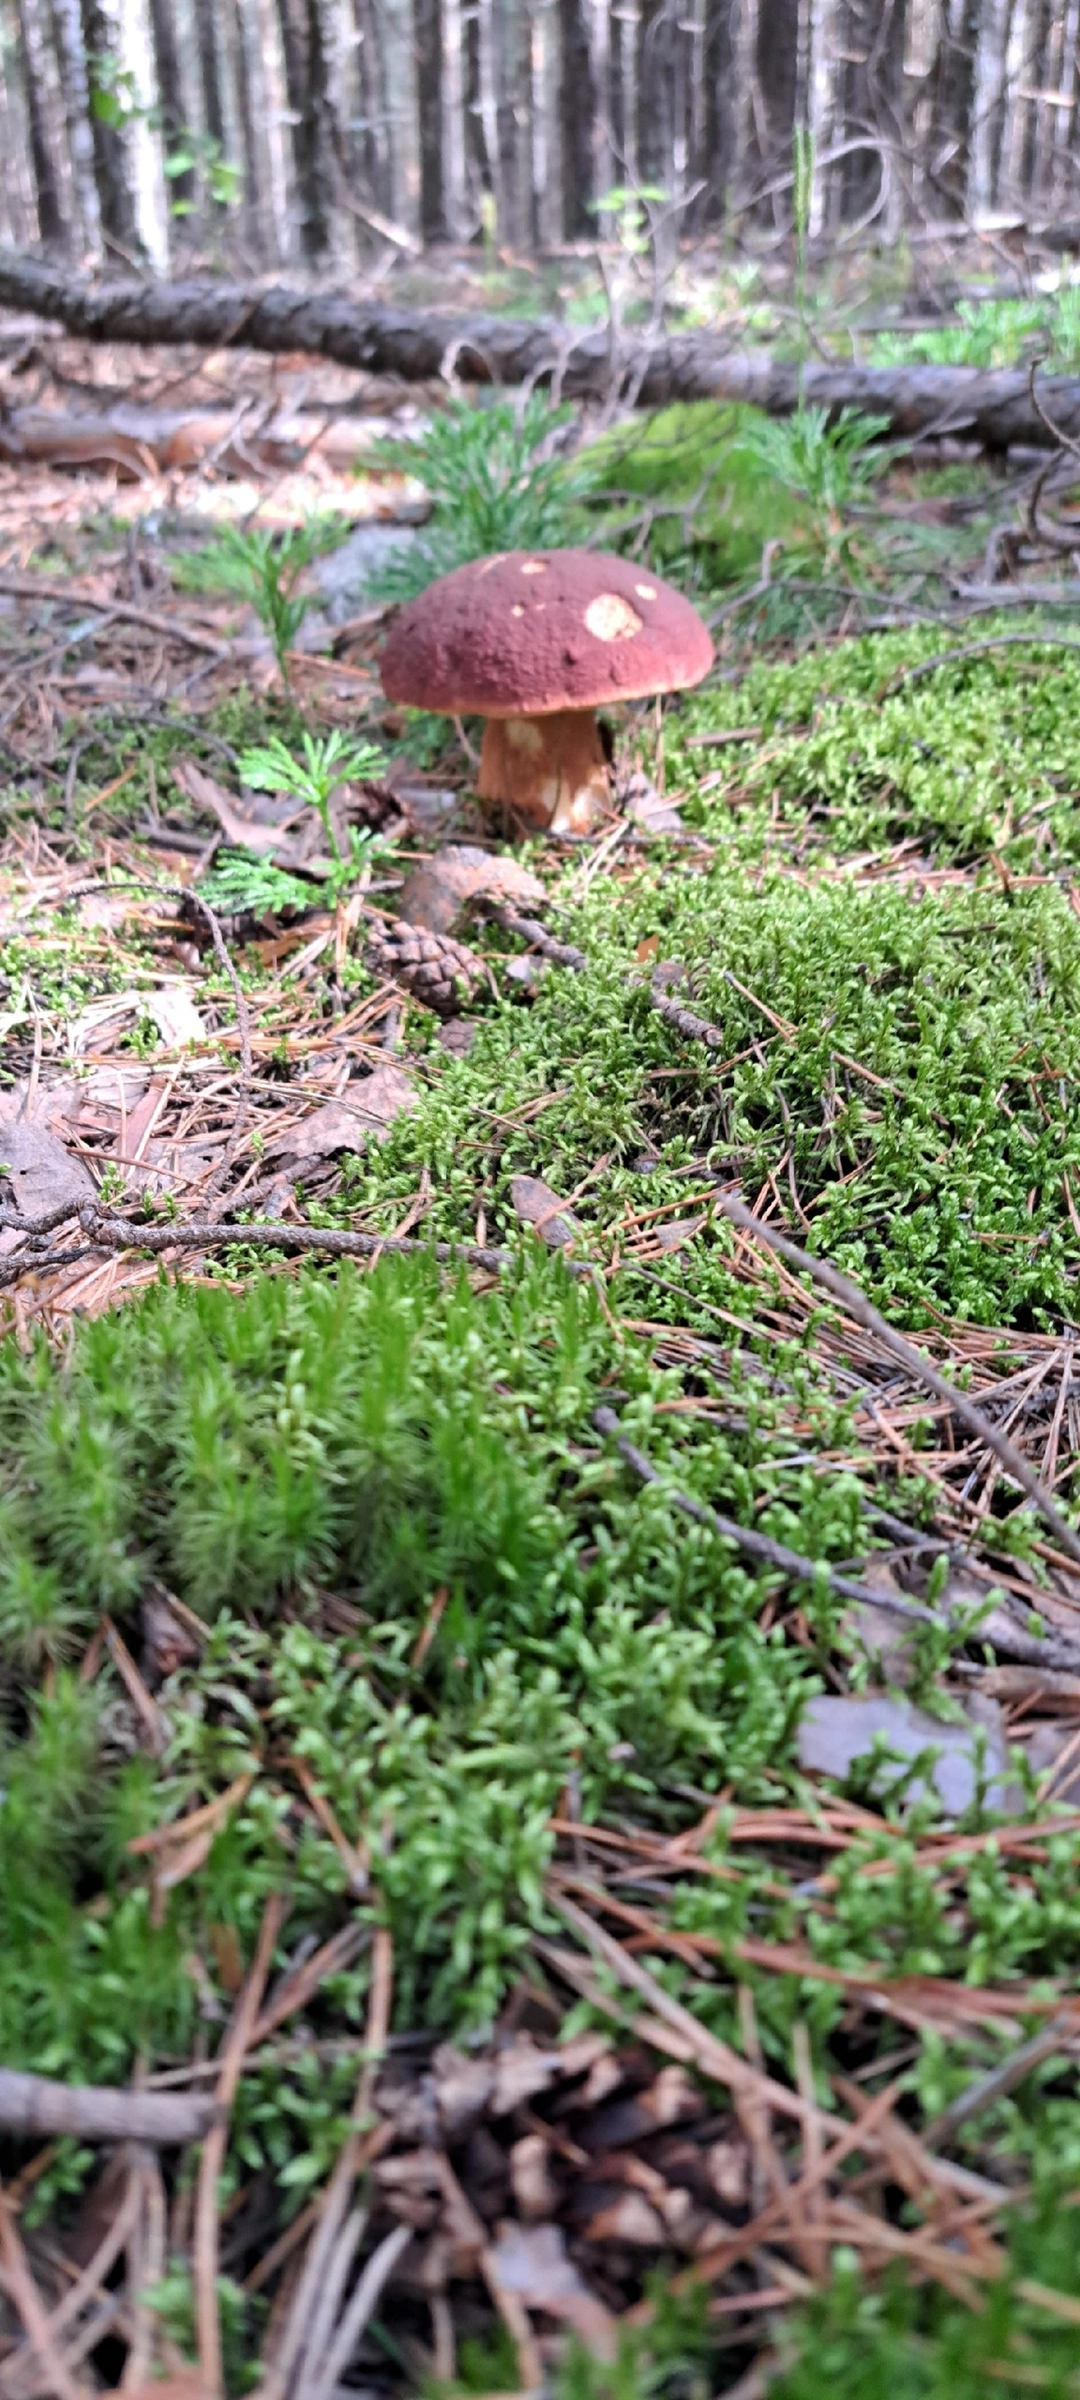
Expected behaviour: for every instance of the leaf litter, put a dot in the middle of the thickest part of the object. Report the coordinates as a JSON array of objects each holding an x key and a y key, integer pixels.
[{"x": 715, "y": 2052}]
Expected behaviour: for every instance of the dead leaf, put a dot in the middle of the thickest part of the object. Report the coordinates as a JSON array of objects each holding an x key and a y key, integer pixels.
[
  {"x": 534, "y": 2187},
  {"x": 437, "y": 891},
  {"x": 537, "y": 1205},
  {"x": 678, "y": 1231},
  {"x": 169, "y": 1007},
  {"x": 630, "y": 2218},
  {"x": 167, "y": 1642},
  {"x": 173, "y": 1011},
  {"x": 42, "y": 1172},
  {"x": 835, "y": 1730},
  {"x": 457, "y": 1035},
  {"x": 531, "y": 2262},
  {"x": 240, "y": 828},
  {"x": 368, "y": 1104},
  {"x": 643, "y": 805}
]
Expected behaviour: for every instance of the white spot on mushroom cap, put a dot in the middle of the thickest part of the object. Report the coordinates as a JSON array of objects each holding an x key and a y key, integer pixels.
[
  {"x": 610, "y": 618},
  {"x": 517, "y": 609},
  {"x": 645, "y": 591},
  {"x": 535, "y": 566}
]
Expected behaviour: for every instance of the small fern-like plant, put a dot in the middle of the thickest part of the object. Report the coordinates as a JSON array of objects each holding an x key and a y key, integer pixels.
[
  {"x": 497, "y": 481},
  {"x": 263, "y": 568},
  {"x": 312, "y": 780},
  {"x": 832, "y": 464}
]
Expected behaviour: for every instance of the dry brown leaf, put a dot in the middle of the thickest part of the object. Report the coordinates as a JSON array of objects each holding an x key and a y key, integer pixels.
[
  {"x": 240, "y": 828},
  {"x": 173, "y": 1011},
  {"x": 531, "y": 2262},
  {"x": 836, "y": 1728},
  {"x": 644, "y": 806},
  {"x": 533, "y": 2184},
  {"x": 437, "y": 891},
  {"x": 367, "y": 1105},
  {"x": 41, "y": 1171},
  {"x": 537, "y": 1205},
  {"x": 630, "y": 2218}
]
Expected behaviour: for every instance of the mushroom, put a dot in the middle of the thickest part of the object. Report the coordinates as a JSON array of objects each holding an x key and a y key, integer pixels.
[{"x": 535, "y": 641}]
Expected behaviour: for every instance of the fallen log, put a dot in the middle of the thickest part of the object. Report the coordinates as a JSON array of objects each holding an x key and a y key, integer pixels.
[
  {"x": 34, "y": 2108},
  {"x": 141, "y": 442},
  {"x": 419, "y": 346}
]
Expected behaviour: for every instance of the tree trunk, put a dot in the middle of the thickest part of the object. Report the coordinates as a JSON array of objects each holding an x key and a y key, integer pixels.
[
  {"x": 577, "y": 113},
  {"x": 245, "y": 106},
  {"x": 953, "y": 99},
  {"x": 112, "y": 172},
  {"x": 75, "y": 85},
  {"x": 210, "y": 70},
  {"x": 872, "y": 98},
  {"x": 995, "y": 409},
  {"x": 656, "y": 91},
  {"x": 428, "y": 39},
  {"x": 171, "y": 104},
  {"x": 52, "y": 227},
  {"x": 776, "y": 64},
  {"x": 721, "y": 122},
  {"x": 304, "y": 51}
]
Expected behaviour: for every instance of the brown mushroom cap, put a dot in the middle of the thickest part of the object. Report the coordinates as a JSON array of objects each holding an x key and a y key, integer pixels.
[{"x": 532, "y": 631}]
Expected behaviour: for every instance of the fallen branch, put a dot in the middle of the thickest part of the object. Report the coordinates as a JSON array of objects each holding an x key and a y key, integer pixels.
[
  {"x": 122, "y": 1233},
  {"x": 67, "y": 595},
  {"x": 857, "y": 1306},
  {"x": 789, "y": 1563},
  {"x": 993, "y": 408},
  {"x": 34, "y": 2108},
  {"x": 143, "y": 441}
]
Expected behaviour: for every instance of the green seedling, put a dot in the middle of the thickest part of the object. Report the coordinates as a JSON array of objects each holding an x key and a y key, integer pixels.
[
  {"x": 263, "y": 568},
  {"x": 832, "y": 464},
  {"x": 312, "y": 781},
  {"x": 497, "y": 481}
]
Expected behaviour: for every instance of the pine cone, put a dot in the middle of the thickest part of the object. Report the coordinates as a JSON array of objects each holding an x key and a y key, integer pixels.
[{"x": 437, "y": 971}]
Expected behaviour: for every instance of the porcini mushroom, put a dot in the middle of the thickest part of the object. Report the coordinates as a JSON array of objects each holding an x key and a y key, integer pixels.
[{"x": 535, "y": 641}]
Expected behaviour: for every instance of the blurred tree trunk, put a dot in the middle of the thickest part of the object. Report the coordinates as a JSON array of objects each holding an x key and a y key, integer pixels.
[
  {"x": 170, "y": 92},
  {"x": 303, "y": 45},
  {"x": 577, "y": 112},
  {"x": 75, "y": 86},
  {"x": 776, "y": 68},
  {"x": 52, "y": 226},
  {"x": 210, "y": 70},
  {"x": 428, "y": 40},
  {"x": 721, "y": 119},
  {"x": 374, "y": 106},
  {"x": 112, "y": 171},
  {"x": 871, "y": 97},
  {"x": 254, "y": 215},
  {"x": 948, "y": 147}
]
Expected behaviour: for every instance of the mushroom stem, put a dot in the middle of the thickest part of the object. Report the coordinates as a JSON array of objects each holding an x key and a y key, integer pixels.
[{"x": 550, "y": 770}]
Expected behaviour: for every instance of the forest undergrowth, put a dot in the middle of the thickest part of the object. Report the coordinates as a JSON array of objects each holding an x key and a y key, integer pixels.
[{"x": 384, "y": 1647}]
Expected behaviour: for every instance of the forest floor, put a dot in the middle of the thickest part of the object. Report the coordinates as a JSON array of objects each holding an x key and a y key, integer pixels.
[{"x": 563, "y": 1748}]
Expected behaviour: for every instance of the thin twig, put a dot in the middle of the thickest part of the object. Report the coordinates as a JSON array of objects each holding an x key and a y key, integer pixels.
[
  {"x": 123, "y": 1233},
  {"x": 56, "y": 2379},
  {"x": 787, "y": 1562},
  {"x": 857, "y": 1306},
  {"x": 205, "y": 2259},
  {"x": 23, "y": 587},
  {"x": 34, "y": 2108},
  {"x": 992, "y": 641}
]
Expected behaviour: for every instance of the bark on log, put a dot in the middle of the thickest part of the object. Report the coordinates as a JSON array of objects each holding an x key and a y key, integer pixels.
[
  {"x": 140, "y": 441},
  {"x": 33, "y": 2108},
  {"x": 993, "y": 408}
]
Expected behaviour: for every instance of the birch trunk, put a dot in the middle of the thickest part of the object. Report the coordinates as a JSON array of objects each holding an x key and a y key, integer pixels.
[
  {"x": 52, "y": 226},
  {"x": 75, "y": 86}
]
